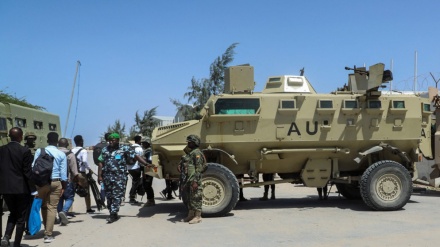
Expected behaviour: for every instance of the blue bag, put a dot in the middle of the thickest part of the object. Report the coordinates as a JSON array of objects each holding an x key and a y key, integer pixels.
[{"x": 34, "y": 223}]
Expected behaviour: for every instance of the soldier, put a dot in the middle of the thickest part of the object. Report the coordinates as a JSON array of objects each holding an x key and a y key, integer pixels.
[
  {"x": 112, "y": 170},
  {"x": 195, "y": 163},
  {"x": 320, "y": 190},
  {"x": 29, "y": 141},
  {"x": 268, "y": 177}
]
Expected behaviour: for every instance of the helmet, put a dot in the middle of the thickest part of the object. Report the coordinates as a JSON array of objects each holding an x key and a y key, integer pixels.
[
  {"x": 194, "y": 139},
  {"x": 146, "y": 139},
  {"x": 30, "y": 135}
]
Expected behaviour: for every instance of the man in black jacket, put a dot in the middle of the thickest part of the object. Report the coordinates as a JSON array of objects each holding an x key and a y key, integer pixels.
[{"x": 15, "y": 184}]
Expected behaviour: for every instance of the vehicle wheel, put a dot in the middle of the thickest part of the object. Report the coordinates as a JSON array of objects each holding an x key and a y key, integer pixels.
[
  {"x": 349, "y": 191},
  {"x": 220, "y": 190},
  {"x": 386, "y": 185}
]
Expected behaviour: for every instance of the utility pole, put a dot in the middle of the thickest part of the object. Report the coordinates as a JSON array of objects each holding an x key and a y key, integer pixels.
[{"x": 78, "y": 64}]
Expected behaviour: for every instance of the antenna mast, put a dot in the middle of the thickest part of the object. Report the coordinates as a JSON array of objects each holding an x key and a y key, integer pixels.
[{"x": 78, "y": 64}]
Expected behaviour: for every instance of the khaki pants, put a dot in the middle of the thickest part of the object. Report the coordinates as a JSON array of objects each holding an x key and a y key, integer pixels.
[
  {"x": 50, "y": 194},
  {"x": 82, "y": 180}
]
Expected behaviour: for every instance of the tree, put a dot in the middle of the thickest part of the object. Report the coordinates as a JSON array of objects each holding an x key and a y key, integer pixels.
[
  {"x": 144, "y": 125},
  {"x": 119, "y": 128},
  {"x": 201, "y": 89},
  {"x": 7, "y": 98}
]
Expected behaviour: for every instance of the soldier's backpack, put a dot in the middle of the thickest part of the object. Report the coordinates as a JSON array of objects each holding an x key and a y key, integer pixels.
[
  {"x": 42, "y": 169},
  {"x": 97, "y": 151}
]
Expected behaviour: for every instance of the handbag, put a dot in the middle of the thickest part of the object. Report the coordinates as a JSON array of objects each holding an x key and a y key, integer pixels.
[
  {"x": 82, "y": 192},
  {"x": 34, "y": 223}
]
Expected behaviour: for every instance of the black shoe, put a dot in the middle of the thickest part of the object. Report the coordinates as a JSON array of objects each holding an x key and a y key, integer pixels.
[
  {"x": 90, "y": 211},
  {"x": 133, "y": 201},
  {"x": 264, "y": 198},
  {"x": 5, "y": 241},
  {"x": 170, "y": 198},
  {"x": 112, "y": 218}
]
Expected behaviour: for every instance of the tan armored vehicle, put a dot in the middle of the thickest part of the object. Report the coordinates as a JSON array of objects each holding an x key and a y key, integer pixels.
[{"x": 361, "y": 139}]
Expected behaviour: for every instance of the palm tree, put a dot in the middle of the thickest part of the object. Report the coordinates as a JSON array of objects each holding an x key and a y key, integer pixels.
[{"x": 200, "y": 90}]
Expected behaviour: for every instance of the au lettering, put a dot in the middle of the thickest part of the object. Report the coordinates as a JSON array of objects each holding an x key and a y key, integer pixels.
[{"x": 294, "y": 128}]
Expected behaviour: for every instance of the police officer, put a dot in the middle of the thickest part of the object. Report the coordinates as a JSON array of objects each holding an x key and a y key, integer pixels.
[
  {"x": 112, "y": 170},
  {"x": 195, "y": 162}
]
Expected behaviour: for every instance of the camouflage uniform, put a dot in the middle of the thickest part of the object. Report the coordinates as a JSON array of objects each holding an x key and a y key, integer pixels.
[
  {"x": 195, "y": 161},
  {"x": 114, "y": 175}
]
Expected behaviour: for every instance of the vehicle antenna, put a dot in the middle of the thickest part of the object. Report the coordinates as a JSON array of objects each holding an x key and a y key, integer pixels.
[{"x": 78, "y": 64}]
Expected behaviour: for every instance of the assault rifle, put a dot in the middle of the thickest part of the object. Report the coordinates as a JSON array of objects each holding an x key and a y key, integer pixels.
[{"x": 182, "y": 178}]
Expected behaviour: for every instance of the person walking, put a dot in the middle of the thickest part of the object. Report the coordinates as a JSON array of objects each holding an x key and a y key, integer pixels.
[
  {"x": 15, "y": 184},
  {"x": 67, "y": 198},
  {"x": 194, "y": 165},
  {"x": 83, "y": 168},
  {"x": 112, "y": 171},
  {"x": 29, "y": 142},
  {"x": 135, "y": 171},
  {"x": 51, "y": 192},
  {"x": 147, "y": 180},
  {"x": 97, "y": 149}
]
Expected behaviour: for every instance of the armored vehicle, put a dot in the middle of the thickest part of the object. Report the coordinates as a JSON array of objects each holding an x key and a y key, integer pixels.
[
  {"x": 29, "y": 120},
  {"x": 359, "y": 138}
]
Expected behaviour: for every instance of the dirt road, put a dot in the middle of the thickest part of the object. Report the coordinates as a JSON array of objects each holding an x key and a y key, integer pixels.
[{"x": 295, "y": 218}]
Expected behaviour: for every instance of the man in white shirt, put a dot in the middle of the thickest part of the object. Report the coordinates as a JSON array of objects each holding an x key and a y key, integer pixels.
[
  {"x": 83, "y": 168},
  {"x": 135, "y": 171}
]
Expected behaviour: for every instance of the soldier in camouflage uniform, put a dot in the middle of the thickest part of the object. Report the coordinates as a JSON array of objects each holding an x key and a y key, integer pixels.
[
  {"x": 194, "y": 163},
  {"x": 112, "y": 170}
]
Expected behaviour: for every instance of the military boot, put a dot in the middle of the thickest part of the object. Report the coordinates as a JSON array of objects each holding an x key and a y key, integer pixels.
[
  {"x": 149, "y": 203},
  {"x": 197, "y": 217},
  {"x": 189, "y": 217},
  {"x": 264, "y": 198},
  {"x": 272, "y": 196}
]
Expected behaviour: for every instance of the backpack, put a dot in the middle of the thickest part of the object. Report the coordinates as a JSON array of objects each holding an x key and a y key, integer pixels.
[
  {"x": 42, "y": 169},
  {"x": 76, "y": 157},
  {"x": 129, "y": 161},
  {"x": 97, "y": 151}
]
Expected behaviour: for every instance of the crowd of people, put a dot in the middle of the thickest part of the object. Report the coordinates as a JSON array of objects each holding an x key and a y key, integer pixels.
[{"x": 71, "y": 170}]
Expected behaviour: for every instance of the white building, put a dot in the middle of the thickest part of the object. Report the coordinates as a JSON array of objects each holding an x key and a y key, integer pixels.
[{"x": 164, "y": 120}]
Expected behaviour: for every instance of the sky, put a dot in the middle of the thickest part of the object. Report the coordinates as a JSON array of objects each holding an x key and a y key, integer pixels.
[{"x": 136, "y": 55}]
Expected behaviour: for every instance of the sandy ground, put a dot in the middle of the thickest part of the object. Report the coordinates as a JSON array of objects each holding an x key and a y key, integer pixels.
[{"x": 295, "y": 218}]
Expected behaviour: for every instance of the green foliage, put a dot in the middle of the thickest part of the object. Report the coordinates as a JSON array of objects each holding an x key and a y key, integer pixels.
[
  {"x": 119, "y": 128},
  {"x": 197, "y": 95},
  {"x": 144, "y": 125},
  {"x": 201, "y": 89},
  {"x": 7, "y": 98}
]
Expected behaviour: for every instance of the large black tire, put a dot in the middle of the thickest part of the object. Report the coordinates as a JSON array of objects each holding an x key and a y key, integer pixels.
[
  {"x": 349, "y": 191},
  {"x": 386, "y": 185},
  {"x": 220, "y": 191}
]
